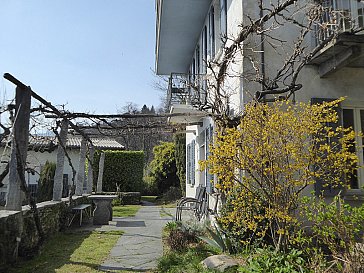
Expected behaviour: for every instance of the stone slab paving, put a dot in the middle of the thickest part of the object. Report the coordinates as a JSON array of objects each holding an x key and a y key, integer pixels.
[{"x": 141, "y": 245}]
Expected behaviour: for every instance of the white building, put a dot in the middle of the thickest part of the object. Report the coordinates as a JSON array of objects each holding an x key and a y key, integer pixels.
[
  {"x": 42, "y": 149},
  {"x": 190, "y": 32}
]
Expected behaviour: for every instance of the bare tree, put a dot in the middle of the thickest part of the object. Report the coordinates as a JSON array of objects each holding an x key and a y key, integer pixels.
[{"x": 259, "y": 34}]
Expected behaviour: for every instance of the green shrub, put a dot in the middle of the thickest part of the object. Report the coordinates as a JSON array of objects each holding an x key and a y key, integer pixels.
[
  {"x": 219, "y": 240},
  {"x": 338, "y": 227},
  {"x": 268, "y": 260},
  {"x": 188, "y": 261},
  {"x": 163, "y": 170},
  {"x": 123, "y": 169},
  {"x": 172, "y": 194},
  {"x": 46, "y": 181}
]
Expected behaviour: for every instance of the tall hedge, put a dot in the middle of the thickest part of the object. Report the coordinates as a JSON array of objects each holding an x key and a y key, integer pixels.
[
  {"x": 123, "y": 168},
  {"x": 180, "y": 154}
]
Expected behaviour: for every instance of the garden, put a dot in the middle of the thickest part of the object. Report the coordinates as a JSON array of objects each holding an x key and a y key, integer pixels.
[{"x": 289, "y": 202}]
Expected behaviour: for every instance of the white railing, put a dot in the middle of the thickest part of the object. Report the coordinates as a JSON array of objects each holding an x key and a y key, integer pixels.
[
  {"x": 339, "y": 16},
  {"x": 186, "y": 89}
]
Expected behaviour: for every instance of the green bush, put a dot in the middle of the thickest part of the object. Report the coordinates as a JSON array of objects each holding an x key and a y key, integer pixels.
[
  {"x": 163, "y": 170},
  {"x": 173, "y": 194},
  {"x": 268, "y": 260},
  {"x": 46, "y": 181},
  {"x": 123, "y": 169},
  {"x": 338, "y": 227}
]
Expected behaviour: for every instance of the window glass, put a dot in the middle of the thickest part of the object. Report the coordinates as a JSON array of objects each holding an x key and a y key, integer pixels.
[
  {"x": 361, "y": 14},
  {"x": 212, "y": 32},
  {"x": 204, "y": 49},
  {"x": 348, "y": 122},
  {"x": 223, "y": 17}
]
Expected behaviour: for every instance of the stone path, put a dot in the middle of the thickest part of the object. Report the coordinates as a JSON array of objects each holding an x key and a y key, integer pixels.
[{"x": 141, "y": 245}]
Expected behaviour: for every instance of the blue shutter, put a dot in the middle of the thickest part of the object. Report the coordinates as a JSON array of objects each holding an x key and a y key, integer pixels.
[
  {"x": 193, "y": 160},
  {"x": 188, "y": 172}
]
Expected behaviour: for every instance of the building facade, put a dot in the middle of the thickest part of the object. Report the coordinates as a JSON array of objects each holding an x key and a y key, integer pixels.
[{"x": 194, "y": 35}]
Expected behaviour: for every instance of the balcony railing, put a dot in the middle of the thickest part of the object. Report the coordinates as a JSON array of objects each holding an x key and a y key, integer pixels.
[
  {"x": 186, "y": 89},
  {"x": 339, "y": 16}
]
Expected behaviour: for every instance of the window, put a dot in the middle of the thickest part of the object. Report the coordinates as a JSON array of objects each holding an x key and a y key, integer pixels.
[
  {"x": 198, "y": 64},
  {"x": 212, "y": 33},
  {"x": 223, "y": 18},
  {"x": 354, "y": 117},
  {"x": 360, "y": 9},
  {"x": 204, "y": 45}
]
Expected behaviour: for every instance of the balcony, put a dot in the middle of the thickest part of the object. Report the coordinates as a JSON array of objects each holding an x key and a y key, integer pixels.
[
  {"x": 345, "y": 18},
  {"x": 186, "y": 95}
]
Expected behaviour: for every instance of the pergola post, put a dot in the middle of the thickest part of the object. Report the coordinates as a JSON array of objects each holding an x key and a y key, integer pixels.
[
  {"x": 101, "y": 172},
  {"x": 81, "y": 169},
  {"x": 90, "y": 176},
  {"x": 19, "y": 145},
  {"x": 58, "y": 176}
]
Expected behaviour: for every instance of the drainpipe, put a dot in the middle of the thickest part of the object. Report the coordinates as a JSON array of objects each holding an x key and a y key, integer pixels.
[{"x": 262, "y": 55}]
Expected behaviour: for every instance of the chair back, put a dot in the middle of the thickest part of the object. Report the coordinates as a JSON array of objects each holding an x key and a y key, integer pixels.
[{"x": 200, "y": 193}]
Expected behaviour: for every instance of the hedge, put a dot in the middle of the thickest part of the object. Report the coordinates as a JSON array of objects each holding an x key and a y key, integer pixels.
[{"x": 123, "y": 168}]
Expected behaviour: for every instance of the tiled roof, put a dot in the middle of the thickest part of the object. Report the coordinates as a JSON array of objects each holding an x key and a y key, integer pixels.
[
  {"x": 99, "y": 143},
  {"x": 49, "y": 143}
]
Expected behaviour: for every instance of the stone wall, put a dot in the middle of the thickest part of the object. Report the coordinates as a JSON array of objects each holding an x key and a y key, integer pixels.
[{"x": 18, "y": 233}]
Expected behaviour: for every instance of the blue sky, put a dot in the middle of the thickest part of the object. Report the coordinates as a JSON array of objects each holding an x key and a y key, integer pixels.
[{"x": 93, "y": 55}]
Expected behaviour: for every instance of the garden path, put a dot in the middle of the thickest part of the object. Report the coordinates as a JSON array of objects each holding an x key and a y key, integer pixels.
[{"x": 141, "y": 245}]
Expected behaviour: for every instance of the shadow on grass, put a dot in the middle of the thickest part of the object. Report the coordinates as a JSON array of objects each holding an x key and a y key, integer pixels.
[{"x": 71, "y": 251}]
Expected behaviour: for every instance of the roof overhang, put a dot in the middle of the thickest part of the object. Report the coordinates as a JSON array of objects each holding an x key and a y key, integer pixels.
[
  {"x": 185, "y": 114},
  {"x": 179, "y": 24}
]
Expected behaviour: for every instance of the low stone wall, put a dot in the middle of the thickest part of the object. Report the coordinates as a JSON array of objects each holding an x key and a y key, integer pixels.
[
  {"x": 130, "y": 198},
  {"x": 126, "y": 198},
  {"x": 18, "y": 233}
]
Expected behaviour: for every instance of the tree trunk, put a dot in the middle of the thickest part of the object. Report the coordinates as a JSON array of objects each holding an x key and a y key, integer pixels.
[{"x": 58, "y": 177}]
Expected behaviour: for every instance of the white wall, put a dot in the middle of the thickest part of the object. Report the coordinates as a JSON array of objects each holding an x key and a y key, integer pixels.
[{"x": 36, "y": 160}]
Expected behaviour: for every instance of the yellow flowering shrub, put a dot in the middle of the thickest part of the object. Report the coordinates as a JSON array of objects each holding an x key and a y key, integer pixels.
[{"x": 263, "y": 166}]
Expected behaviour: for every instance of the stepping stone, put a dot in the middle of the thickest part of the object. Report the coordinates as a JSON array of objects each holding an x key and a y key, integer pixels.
[{"x": 219, "y": 262}]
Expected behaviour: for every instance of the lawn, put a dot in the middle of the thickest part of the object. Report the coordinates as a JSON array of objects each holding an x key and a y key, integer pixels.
[
  {"x": 125, "y": 211},
  {"x": 72, "y": 251},
  {"x": 75, "y": 250}
]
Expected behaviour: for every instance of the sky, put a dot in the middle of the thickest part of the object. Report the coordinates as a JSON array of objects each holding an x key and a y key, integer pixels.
[{"x": 92, "y": 55}]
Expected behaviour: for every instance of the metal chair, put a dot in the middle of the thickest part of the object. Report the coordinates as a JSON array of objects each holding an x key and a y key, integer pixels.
[{"x": 198, "y": 204}]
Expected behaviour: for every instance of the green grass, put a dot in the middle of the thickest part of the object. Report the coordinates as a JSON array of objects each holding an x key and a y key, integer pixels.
[
  {"x": 81, "y": 251},
  {"x": 125, "y": 211},
  {"x": 152, "y": 199},
  {"x": 188, "y": 261}
]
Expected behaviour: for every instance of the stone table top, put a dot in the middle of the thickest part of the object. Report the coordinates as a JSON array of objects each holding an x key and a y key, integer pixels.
[{"x": 102, "y": 197}]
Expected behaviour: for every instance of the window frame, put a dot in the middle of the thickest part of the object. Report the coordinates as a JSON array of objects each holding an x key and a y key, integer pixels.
[
  {"x": 359, "y": 144},
  {"x": 223, "y": 18}
]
